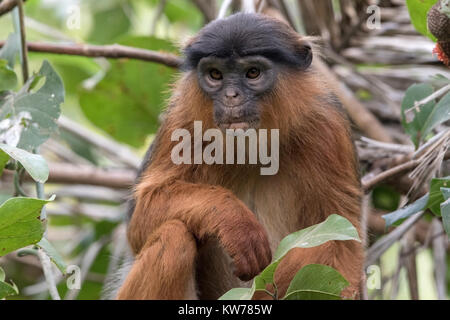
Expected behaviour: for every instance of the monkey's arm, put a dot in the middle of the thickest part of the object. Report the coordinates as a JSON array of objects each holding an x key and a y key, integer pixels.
[{"x": 207, "y": 211}]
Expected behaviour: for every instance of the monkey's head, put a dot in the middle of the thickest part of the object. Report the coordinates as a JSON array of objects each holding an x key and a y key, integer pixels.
[{"x": 238, "y": 60}]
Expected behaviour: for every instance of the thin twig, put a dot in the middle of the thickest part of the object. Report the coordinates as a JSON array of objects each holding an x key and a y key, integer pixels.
[
  {"x": 159, "y": 12},
  {"x": 114, "y": 51},
  {"x": 48, "y": 273},
  {"x": 7, "y": 5},
  {"x": 383, "y": 244},
  {"x": 248, "y": 6},
  {"x": 224, "y": 8},
  {"x": 369, "y": 183},
  {"x": 23, "y": 47}
]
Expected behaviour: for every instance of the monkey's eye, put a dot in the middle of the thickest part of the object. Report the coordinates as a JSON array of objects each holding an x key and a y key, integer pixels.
[
  {"x": 215, "y": 74},
  {"x": 253, "y": 73}
]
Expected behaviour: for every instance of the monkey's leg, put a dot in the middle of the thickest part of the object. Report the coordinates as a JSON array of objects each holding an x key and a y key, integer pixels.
[
  {"x": 165, "y": 267},
  {"x": 345, "y": 256}
]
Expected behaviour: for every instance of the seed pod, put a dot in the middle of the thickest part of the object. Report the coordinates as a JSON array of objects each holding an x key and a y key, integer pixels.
[{"x": 439, "y": 26}]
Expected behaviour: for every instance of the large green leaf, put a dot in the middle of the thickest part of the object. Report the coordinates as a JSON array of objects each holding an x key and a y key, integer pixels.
[
  {"x": 316, "y": 282},
  {"x": 436, "y": 196},
  {"x": 28, "y": 118},
  {"x": 8, "y": 78},
  {"x": 405, "y": 212},
  {"x": 416, "y": 122},
  {"x": 20, "y": 223},
  {"x": 34, "y": 164},
  {"x": 53, "y": 254},
  {"x": 335, "y": 227},
  {"x": 418, "y": 10},
  {"x": 127, "y": 102}
]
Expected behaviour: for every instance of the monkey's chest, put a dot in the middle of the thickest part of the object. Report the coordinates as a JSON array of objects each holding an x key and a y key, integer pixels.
[{"x": 276, "y": 207}]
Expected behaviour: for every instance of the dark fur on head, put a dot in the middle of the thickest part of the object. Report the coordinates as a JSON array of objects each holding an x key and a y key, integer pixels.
[{"x": 243, "y": 35}]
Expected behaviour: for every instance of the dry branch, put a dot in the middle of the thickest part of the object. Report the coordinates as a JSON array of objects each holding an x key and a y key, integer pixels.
[
  {"x": 72, "y": 174},
  {"x": 114, "y": 51},
  {"x": 7, "y": 5},
  {"x": 369, "y": 182}
]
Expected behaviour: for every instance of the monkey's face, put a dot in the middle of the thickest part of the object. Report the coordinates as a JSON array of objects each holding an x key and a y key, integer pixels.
[
  {"x": 236, "y": 87},
  {"x": 238, "y": 61}
]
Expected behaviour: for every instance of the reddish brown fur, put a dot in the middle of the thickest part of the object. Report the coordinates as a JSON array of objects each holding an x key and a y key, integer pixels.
[{"x": 233, "y": 209}]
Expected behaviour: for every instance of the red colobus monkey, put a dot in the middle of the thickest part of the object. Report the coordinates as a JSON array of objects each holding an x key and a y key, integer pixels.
[{"x": 198, "y": 230}]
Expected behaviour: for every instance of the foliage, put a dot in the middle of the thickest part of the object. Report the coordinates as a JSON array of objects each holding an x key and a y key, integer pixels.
[
  {"x": 28, "y": 117},
  {"x": 140, "y": 86},
  {"x": 311, "y": 281}
]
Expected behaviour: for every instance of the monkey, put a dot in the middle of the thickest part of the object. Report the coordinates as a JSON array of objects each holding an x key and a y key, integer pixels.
[{"x": 198, "y": 230}]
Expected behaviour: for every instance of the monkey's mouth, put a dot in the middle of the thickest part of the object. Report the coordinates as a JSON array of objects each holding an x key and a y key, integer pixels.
[{"x": 234, "y": 126}]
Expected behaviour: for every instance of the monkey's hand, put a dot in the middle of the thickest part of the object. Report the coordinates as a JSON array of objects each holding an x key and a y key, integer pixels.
[{"x": 246, "y": 241}]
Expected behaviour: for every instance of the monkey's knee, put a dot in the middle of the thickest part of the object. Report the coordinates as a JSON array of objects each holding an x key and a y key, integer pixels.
[{"x": 165, "y": 267}]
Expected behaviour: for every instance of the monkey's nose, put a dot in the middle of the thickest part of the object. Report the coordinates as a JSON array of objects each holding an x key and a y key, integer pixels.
[
  {"x": 231, "y": 93},
  {"x": 232, "y": 97}
]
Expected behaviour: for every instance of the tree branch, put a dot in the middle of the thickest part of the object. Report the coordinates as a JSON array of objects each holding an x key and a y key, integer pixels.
[
  {"x": 114, "y": 51},
  {"x": 369, "y": 183},
  {"x": 7, "y": 5},
  {"x": 84, "y": 174}
]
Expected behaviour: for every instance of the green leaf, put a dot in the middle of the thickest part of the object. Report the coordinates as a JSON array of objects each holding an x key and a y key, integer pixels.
[
  {"x": 405, "y": 212},
  {"x": 418, "y": 10},
  {"x": 335, "y": 227},
  {"x": 445, "y": 211},
  {"x": 3, "y": 161},
  {"x": 436, "y": 196},
  {"x": 20, "y": 223},
  {"x": 238, "y": 294},
  {"x": 266, "y": 276},
  {"x": 440, "y": 114},
  {"x": 127, "y": 102},
  {"x": 28, "y": 118},
  {"x": 446, "y": 193},
  {"x": 53, "y": 254},
  {"x": 11, "y": 49},
  {"x": 6, "y": 289},
  {"x": 4, "y": 197},
  {"x": 416, "y": 123},
  {"x": 8, "y": 78},
  {"x": 34, "y": 164},
  {"x": 316, "y": 282}
]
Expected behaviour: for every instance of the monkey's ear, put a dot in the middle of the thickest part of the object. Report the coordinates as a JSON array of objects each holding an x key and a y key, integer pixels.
[{"x": 305, "y": 53}]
